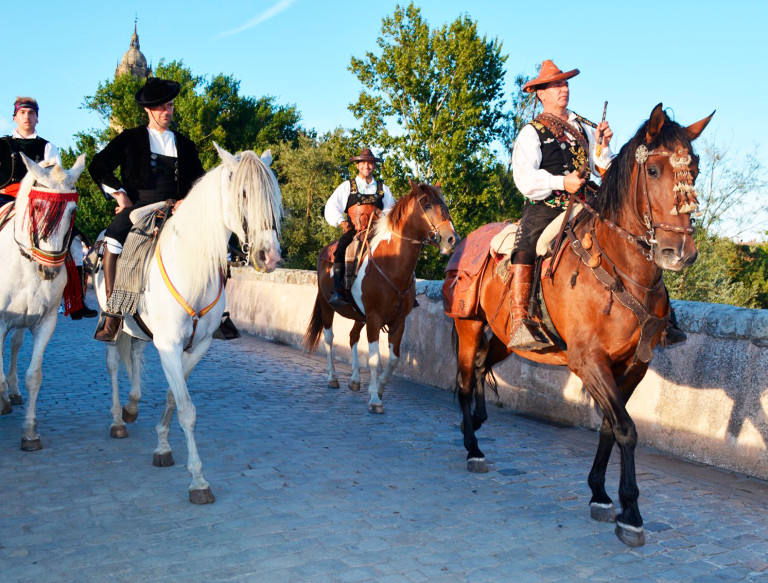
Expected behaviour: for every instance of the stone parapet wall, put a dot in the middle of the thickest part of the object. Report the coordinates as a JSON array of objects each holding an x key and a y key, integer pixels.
[{"x": 706, "y": 400}]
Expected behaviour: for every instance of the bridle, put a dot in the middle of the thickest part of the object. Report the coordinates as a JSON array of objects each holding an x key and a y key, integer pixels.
[
  {"x": 33, "y": 252},
  {"x": 433, "y": 237},
  {"x": 686, "y": 200}
]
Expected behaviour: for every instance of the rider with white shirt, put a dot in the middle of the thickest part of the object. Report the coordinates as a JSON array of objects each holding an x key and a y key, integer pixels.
[{"x": 156, "y": 164}]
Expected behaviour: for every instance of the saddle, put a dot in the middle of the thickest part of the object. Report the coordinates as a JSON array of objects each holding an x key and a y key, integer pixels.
[{"x": 352, "y": 255}]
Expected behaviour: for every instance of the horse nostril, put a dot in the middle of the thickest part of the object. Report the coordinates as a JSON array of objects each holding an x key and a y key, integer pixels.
[{"x": 451, "y": 240}]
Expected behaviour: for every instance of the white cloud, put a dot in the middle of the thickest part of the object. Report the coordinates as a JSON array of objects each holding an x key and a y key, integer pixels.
[{"x": 272, "y": 11}]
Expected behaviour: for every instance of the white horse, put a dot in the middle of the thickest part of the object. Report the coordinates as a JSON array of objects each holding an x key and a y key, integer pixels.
[
  {"x": 33, "y": 246},
  {"x": 184, "y": 295}
]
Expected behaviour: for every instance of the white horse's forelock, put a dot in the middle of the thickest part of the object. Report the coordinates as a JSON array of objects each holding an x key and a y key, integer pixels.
[{"x": 253, "y": 198}]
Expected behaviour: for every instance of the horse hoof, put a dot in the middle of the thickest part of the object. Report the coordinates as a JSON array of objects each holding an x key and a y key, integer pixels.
[
  {"x": 165, "y": 460},
  {"x": 354, "y": 386},
  {"x": 632, "y": 536},
  {"x": 16, "y": 400},
  {"x": 477, "y": 465},
  {"x": 6, "y": 407},
  {"x": 129, "y": 417},
  {"x": 377, "y": 408},
  {"x": 118, "y": 431},
  {"x": 602, "y": 512},
  {"x": 333, "y": 384},
  {"x": 31, "y": 444},
  {"x": 202, "y": 496}
]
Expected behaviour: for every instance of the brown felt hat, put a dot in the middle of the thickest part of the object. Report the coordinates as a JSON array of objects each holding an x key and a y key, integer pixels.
[
  {"x": 365, "y": 156},
  {"x": 548, "y": 74}
]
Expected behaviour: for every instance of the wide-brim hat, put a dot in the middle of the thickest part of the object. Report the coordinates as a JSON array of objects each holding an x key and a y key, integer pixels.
[
  {"x": 365, "y": 156},
  {"x": 157, "y": 91},
  {"x": 548, "y": 73}
]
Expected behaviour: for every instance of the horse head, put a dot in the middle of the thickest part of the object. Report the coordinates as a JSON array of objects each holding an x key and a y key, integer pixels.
[
  {"x": 434, "y": 224},
  {"x": 649, "y": 189},
  {"x": 253, "y": 206},
  {"x": 46, "y": 207}
]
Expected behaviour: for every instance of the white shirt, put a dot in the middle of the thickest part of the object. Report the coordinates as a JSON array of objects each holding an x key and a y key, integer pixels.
[
  {"x": 51, "y": 152},
  {"x": 537, "y": 184},
  {"x": 337, "y": 204},
  {"x": 161, "y": 143}
]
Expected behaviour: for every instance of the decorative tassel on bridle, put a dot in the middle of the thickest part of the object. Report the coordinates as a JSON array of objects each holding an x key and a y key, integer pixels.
[
  {"x": 685, "y": 194},
  {"x": 45, "y": 211}
]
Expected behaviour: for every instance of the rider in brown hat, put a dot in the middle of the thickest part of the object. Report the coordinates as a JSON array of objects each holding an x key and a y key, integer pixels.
[
  {"x": 549, "y": 160},
  {"x": 359, "y": 197}
]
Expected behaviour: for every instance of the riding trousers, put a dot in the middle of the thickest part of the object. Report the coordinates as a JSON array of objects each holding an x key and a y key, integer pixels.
[{"x": 535, "y": 219}]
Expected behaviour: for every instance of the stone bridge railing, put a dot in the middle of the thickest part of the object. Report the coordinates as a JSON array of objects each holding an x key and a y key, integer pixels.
[{"x": 706, "y": 400}]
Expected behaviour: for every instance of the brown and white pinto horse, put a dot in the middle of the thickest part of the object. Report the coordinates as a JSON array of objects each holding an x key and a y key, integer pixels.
[
  {"x": 385, "y": 286},
  {"x": 640, "y": 225}
]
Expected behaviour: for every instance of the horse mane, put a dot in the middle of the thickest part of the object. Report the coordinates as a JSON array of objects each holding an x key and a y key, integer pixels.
[
  {"x": 199, "y": 222},
  {"x": 612, "y": 199},
  {"x": 395, "y": 217}
]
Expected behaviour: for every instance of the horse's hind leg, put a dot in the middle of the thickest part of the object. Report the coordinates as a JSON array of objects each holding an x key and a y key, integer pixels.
[
  {"x": 333, "y": 380},
  {"x": 5, "y": 404},
  {"x": 354, "y": 340},
  {"x": 131, "y": 409},
  {"x": 470, "y": 339},
  {"x": 30, "y": 440},
  {"x": 14, "y": 396},
  {"x": 117, "y": 429}
]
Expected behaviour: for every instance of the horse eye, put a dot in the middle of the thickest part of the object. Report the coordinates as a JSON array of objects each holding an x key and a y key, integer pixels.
[
  {"x": 653, "y": 172},
  {"x": 427, "y": 207}
]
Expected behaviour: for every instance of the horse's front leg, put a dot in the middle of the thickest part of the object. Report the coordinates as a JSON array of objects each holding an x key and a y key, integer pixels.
[
  {"x": 171, "y": 357},
  {"x": 5, "y": 404},
  {"x": 14, "y": 396},
  {"x": 136, "y": 360},
  {"x": 117, "y": 430},
  {"x": 601, "y": 385},
  {"x": 470, "y": 342},
  {"x": 30, "y": 440},
  {"x": 354, "y": 340},
  {"x": 374, "y": 362},
  {"x": 601, "y": 505},
  {"x": 395, "y": 339}
]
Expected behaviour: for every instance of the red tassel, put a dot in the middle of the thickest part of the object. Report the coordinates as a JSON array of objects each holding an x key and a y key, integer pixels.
[{"x": 73, "y": 293}]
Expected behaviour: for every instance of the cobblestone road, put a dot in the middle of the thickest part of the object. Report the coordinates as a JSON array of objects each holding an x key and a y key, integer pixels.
[{"x": 311, "y": 487}]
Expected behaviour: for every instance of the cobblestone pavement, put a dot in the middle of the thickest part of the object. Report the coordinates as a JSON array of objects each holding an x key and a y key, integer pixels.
[{"x": 311, "y": 487}]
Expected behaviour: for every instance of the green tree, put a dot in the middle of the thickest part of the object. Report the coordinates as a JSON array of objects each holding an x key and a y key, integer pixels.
[
  {"x": 308, "y": 174},
  {"x": 206, "y": 110},
  {"x": 433, "y": 103}
]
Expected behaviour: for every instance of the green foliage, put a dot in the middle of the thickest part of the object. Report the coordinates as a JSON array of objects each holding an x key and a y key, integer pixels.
[
  {"x": 205, "y": 111},
  {"x": 714, "y": 277},
  {"x": 753, "y": 271},
  {"x": 308, "y": 174},
  {"x": 441, "y": 90}
]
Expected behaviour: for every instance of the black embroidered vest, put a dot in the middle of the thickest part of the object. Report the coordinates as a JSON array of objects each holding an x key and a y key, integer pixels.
[
  {"x": 355, "y": 197},
  {"x": 559, "y": 157},
  {"x": 34, "y": 150}
]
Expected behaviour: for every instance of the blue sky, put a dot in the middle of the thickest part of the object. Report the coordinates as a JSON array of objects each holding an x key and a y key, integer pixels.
[{"x": 692, "y": 56}]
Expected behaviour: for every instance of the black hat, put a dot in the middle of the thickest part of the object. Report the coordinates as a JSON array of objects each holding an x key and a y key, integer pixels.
[
  {"x": 365, "y": 156},
  {"x": 156, "y": 92}
]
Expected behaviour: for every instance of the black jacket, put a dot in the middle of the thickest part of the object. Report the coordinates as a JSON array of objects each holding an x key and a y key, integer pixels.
[{"x": 130, "y": 151}]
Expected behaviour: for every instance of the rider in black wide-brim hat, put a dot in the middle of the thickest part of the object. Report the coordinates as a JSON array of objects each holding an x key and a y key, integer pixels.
[{"x": 157, "y": 91}]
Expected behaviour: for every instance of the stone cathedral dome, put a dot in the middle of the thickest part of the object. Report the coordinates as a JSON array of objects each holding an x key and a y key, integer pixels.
[{"x": 134, "y": 61}]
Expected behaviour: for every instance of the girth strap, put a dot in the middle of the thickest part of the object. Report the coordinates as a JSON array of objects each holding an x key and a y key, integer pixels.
[
  {"x": 182, "y": 302},
  {"x": 649, "y": 324}
]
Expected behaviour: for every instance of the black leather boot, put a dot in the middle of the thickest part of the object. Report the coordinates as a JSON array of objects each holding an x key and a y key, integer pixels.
[
  {"x": 85, "y": 311},
  {"x": 340, "y": 297},
  {"x": 108, "y": 331}
]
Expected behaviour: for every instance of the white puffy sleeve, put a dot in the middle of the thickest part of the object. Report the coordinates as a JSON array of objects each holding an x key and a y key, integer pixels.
[{"x": 531, "y": 181}]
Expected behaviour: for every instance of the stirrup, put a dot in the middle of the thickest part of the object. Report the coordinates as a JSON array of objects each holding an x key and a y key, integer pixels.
[
  {"x": 338, "y": 300},
  {"x": 102, "y": 324},
  {"x": 529, "y": 336},
  {"x": 673, "y": 336}
]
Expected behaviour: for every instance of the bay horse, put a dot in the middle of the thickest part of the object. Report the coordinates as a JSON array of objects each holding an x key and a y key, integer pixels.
[
  {"x": 183, "y": 296},
  {"x": 385, "y": 286},
  {"x": 639, "y": 226},
  {"x": 34, "y": 245}
]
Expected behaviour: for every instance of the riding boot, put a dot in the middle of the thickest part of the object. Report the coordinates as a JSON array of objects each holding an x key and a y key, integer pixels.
[
  {"x": 108, "y": 332},
  {"x": 674, "y": 335},
  {"x": 85, "y": 311},
  {"x": 340, "y": 297},
  {"x": 522, "y": 335}
]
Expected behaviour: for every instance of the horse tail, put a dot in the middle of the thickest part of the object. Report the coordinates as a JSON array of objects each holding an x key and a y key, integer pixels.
[{"x": 315, "y": 327}]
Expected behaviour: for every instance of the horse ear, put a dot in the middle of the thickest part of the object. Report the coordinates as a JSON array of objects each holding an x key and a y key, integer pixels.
[
  {"x": 655, "y": 123},
  {"x": 437, "y": 184},
  {"x": 266, "y": 157},
  {"x": 226, "y": 157},
  {"x": 415, "y": 186},
  {"x": 34, "y": 168},
  {"x": 694, "y": 130},
  {"x": 77, "y": 168}
]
